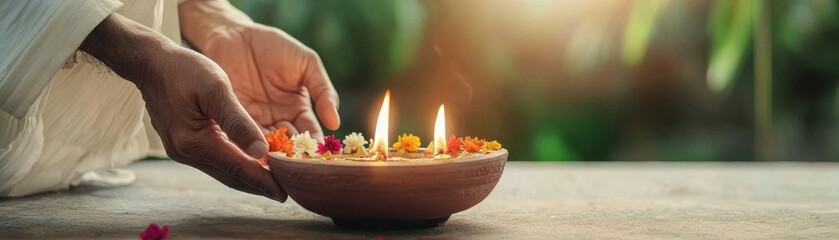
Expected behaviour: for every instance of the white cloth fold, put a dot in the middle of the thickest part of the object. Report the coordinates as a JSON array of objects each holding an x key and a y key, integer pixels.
[
  {"x": 38, "y": 38},
  {"x": 58, "y": 124}
]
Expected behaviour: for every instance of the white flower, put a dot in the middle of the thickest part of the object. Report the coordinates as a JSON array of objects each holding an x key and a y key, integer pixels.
[
  {"x": 353, "y": 142},
  {"x": 304, "y": 143}
]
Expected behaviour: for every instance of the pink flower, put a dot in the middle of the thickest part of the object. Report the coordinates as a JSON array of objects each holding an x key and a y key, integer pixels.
[
  {"x": 154, "y": 232},
  {"x": 330, "y": 143}
]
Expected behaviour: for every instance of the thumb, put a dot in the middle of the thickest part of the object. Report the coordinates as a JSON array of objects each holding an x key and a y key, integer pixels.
[{"x": 240, "y": 128}]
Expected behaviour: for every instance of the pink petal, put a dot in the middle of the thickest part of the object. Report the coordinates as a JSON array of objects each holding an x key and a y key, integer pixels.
[{"x": 154, "y": 232}]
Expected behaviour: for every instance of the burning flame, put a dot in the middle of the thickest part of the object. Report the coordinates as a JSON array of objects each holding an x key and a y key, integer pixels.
[
  {"x": 439, "y": 144},
  {"x": 380, "y": 141}
]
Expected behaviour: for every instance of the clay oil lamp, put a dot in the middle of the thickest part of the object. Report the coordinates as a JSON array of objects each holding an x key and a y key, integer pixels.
[{"x": 382, "y": 187}]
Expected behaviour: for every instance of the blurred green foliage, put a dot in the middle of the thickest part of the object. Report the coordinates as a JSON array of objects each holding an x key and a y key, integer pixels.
[
  {"x": 360, "y": 39},
  {"x": 730, "y": 28},
  {"x": 639, "y": 29},
  {"x": 582, "y": 80}
]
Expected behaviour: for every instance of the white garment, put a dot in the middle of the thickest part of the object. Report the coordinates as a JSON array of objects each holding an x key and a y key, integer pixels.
[{"x": 58, "y": 123}]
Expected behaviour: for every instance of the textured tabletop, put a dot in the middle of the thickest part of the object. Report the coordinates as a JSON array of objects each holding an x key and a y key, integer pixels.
[{"x": 532, "y": 200}]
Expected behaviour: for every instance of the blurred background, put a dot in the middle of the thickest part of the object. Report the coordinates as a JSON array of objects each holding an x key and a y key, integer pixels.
[{"x": 586, "y": 80}]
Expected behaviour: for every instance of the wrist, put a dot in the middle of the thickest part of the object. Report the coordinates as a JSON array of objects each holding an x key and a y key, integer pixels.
[
  {"x": 202, "y": 21},
  {"x": 126, "y": 47}
]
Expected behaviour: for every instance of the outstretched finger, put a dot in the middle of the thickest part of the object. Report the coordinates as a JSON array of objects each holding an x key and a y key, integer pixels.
[
  {"x": 319, "y": 85},
  {"x": 227, "y": 180},
  {"x": 306, "y": 121},
  {"x": 239, "y": 166},
  {"x": 291, "y": 128},
  {"x": 224, "y": 108}
]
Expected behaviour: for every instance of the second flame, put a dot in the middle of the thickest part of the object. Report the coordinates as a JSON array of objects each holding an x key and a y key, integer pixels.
[
  {"x": 438, "y": 145},
  {"x": 379, "y": 147}
]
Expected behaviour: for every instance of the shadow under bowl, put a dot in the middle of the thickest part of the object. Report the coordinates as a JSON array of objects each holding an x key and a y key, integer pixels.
[{"x": 389, "y": 195}]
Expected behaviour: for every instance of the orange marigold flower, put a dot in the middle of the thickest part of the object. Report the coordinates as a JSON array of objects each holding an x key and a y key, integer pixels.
[
  {"x": 492, "y": 146},
  {"x": 454, "y": 144},
  {"x": 408, "y": 142},
  {"x": 278, "y": 142},
  {"x": 473, "y": 145}
]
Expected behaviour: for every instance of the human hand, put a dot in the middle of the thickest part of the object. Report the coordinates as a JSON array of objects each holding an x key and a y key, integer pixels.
[
  {"x": 273, "y": 75},
  {"x": 190, "y": 102}
]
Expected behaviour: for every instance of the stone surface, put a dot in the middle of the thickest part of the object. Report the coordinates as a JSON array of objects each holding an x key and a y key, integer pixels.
[{"x": 533, "y": 200}]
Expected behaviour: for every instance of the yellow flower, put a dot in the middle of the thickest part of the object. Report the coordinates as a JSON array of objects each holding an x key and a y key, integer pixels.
[
  {"x": 492, "y": 146},
  {"x": 407, "y": 142}
]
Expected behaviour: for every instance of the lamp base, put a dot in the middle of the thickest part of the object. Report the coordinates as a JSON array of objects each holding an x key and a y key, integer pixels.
[{"x": 388, "y": 224}]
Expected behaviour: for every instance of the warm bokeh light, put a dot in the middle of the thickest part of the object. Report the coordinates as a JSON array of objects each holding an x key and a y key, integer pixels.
[{"x": 586, "y": 79}]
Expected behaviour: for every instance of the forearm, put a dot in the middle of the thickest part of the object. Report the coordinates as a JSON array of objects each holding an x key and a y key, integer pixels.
[
  {"x": 126, "y": 47},
  {"x": 203, "y": 19}
]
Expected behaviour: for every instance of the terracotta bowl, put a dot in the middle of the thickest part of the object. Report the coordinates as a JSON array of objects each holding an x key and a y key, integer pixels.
[{"x": 389, "y": 194}]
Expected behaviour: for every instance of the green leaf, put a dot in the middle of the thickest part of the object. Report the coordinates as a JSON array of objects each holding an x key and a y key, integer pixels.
[
  {"x": 639, "y": 29},
  {"x": 731, "y": 34}
]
